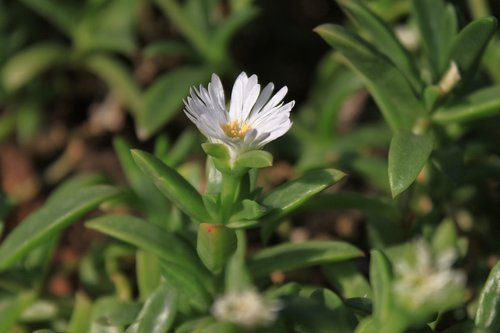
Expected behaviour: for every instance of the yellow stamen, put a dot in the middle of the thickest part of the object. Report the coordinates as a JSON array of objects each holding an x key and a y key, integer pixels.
[{"x": 234, "y": 129}]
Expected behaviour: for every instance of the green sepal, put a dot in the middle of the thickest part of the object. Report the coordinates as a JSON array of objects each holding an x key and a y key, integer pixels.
[
  {"x": 220, "y": 156},
  {"x": 254, "y": 159},
  {"x": 216, "y": 150},
  {"x": 215, "y": 244}
]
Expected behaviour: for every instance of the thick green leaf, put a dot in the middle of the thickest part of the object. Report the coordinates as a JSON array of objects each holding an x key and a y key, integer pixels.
[
  {"x": 347, "y": 279},
  {"x": 151, "y": 201},
  {"x": 158, "y": 313},
  {"x": 39, "y": 311},
  {"x": 290, "y": 256},
  {"x": 29, "y": 63},
  {"x": 172, "y": 251},
  {"x": 254, "y": 159},
  {"x": 172, "y": 185},
  {"x": 146, "y": 236},
  {"x": 408, "y": 154},
  {"x": 199, "y": 38},
  {"x": 107, "y": 26},
  {"x": 284, "y": 199},
  {"x": 445, "y": 237},
  {"x": 388, "y": 86},
  {"x": 386, "y": 41},
  {"x": 216, "y": 243},
  {"x": 109, "y": 315},
  {"x": 231, "y": 25},
  {"x": 488, "y": 311},
  {"x": 194, "y": 325},
  {"x": 79, "y": 322},
  {"x": 437, "y": 23},
  {"x": 118, "y": 78},
  {"x": 48, "y": 221},
  {"x": 12, "y": 307},
  {"x": 469, "y": 45},
  {"x": 147, "y": 267},
  {"x": 381, "y": 281},
  {"x": 480, "y": 104},
  {"x": 74, "y": 184},
  {"x": 344, "y": 318},
  {"x": 182, "y": 147},
  {"x": 190, "y": 289},
  {"x": 163, "y": 100}
]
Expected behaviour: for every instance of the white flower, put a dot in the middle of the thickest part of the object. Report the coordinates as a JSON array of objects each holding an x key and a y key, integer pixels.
[
  {"x": 247, "y": 309},
  {"x": 428, "y": 280},
  {"x": 254, "y": 117}
]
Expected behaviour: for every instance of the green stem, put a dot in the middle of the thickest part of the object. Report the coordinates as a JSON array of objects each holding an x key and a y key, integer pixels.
[
  {"x": 242, "y": 244},
  {"x": 230, "y": 184},
  {"x": 198, "y": 38}
]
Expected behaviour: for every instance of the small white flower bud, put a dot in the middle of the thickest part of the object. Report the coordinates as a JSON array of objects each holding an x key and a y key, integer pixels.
[{"x": 248, "y": 309}]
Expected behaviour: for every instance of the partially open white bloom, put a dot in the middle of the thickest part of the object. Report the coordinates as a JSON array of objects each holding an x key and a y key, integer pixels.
[
  {"x": 248, "y": 309},
  {"x": 427, "y": 280},
  {"x": 254, "y": 118}
]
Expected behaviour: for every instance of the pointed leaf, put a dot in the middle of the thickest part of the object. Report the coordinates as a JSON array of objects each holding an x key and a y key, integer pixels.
[
  {"x": 408, "y": 154},
  {"x": 290, "y": 256},
  {"x": 388, "y": 86},
  {"x": 381, "y": 281},
  {"x": 159, "y": 310},
  {"x": 179, "y": 263},
  {"x": 48, "y": 221},
  {"x": 151, "y": 201},
  {"x": 437, "y": 23},
  {"x": 469, "y": 45},
  {"x": 163, "y": 100},
  {"x": 386, "y": 41},
  {"x": 488, "y": 311},
  {"x": 480, "y": 104},
  {"x": 118, "y": 78},
  {"x": 284, "y": 199},
  {"x": 145, "y": 236},
  {"x": 172, "y": 185},
  {"x": 31, "y": 62}
]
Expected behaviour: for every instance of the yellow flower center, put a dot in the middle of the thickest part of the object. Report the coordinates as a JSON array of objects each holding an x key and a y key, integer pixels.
[{"x": 235, "y": 129}]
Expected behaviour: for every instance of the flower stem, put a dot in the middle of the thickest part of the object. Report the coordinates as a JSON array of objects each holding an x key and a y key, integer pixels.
[{"x": 229, "y": 191}]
